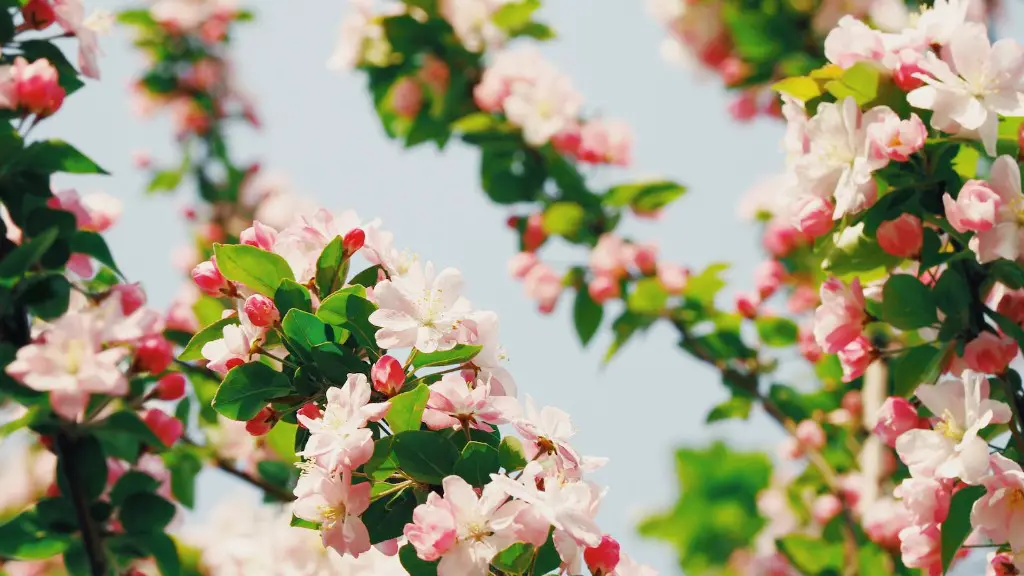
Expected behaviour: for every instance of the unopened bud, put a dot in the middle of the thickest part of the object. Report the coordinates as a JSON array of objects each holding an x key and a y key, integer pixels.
[
  {"x": 387, "y": 375},
  {"x": 261, "y": 310}
]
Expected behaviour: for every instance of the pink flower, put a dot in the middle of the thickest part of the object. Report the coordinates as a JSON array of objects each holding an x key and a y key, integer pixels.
[
  {"x": 883, "y": 520},
  {"x": 521, "y": 264},
  {"x": 70, "y": 362},
  {"x": 340, "y": 436},
  {"x": 208, "y": 277},
  {"x": 603, "y": 288},
  {"x": 809, "y": 348},
  {"x": 331, "y": 500},
  {"x": 901, "y": 237},
  {"x": 153, "y": 354},
  {"x": 603, "y": 558},
  {"x": 611, "y": 257},
  {"x": 926, "y": 499},
  {"x": 974, "y": 209},
  {"x": 953, "y": 448},
  {"x": 234, "y": 349},
  {"x": 990, "y": 353},
  {"x": 259, "y": 235},
  {"x": 31, "y": 88},
  {"x": 301, "y": 243},
  {"x": 261, "y": 311},
  {"x": 453, "y": 404},
  {"x": 743, "y": 108},
  {"x": 490, "y": 360},
  {"x": 768, "y": 276},
  {"x": 543, "y": 285},
  {"x": 839, "y": 320},
  {"x": 894, "y": 138},
  {"x": 547, "y": 432},
  {"x": 920, "y": 546},
  {"x": 672, "y": 277},
  {"x": 406, "y": 97},
  {"x": 852, "y": 41},
  {"x": 170, "y": 387},
  {"x": 826, "y": 507},
  {"x": 432, "y": 530},
  {"x": 896, "y": 416},
  {"x": 810, "y": 435},
  {"x": 387, "y": 375},
  {"x": 999, "y": 514},
  {"x": 420, "y": 309},
  {"x": 746, "y": 304},
  {"x": 483, "y": 527},
  {"x": 132, "y": 297},
  {"x": 855, "y": 358},
  {"x": 606, "y": 142},
  {"x": 166, "y": 427},
  {"x": 1001, "y": 564}
]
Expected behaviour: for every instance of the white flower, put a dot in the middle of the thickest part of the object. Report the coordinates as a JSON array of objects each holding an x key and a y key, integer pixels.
[{"x": 420, "y": 309}]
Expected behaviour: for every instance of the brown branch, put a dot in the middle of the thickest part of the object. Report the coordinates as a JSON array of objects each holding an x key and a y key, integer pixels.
[
  {"x": 91, "y": 539},
  {"x": 229, "y": 467}
]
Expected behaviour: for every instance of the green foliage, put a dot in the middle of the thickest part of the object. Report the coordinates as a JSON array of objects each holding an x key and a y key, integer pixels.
[
  {"x": 647, "y": 297},
  {"x": 247, "y": 389},
  {"x": 292, "y": 295},
  {"x": 460, "y": 354},
  {"x": 957, "y": 526},
  {"x": 24, "y": 538},
  {"x": 907, "y": 304},
  {"x": 644, "y": 197},
  {"x": 258, "y": 269},
  {"x": 717, "y": 511},
  {"x": 425, "y": 456},
  {"x": 918, "y": 365},
  {"x": 586, "y": 315},
  {"x": 778, "y": 332},
  {"x": 406, "y": 409},
  {"x": 476, "y": 463},
  {"x": 412, "y": 563},
  {"x": 735, "y": 407},
  {"x": 145, "y": 512},
  {"x": 194, "y": 349},
  {"x": 511, "y": 455},
  {"x": 49, "y": 156},
  {"x": 811, "y": 555},
  {"x": 328, "y": 266}
]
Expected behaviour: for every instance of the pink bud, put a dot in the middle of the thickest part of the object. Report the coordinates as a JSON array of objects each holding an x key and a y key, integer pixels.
[
  {"x": 311, "y": 411},
  {"x": 520, "y": 264},
  {"x": 901, "y": 237},
  {"x": 974, "y": 209},
  {"x": 743, "y": 108},
  {"x": 989, "y": 353},
  {"x": 790, "y": 449},
  {"x": 353, "y": 241},
  {"x": 38, "y": 14},
  {"x": 261, "y": 310},
  {"x": 1002, "y": 564},
  {"x": 568, "y": 140},
  {"x": 132, "y": 297},
  {"x": 645, "y": 258},
  {"x": 603, "y": 288},
  {"x": 896, "y": 416},
  {"x": 208, "y": 278},
  {"x": 32, "y": 88},
  {"x": 781, "y": 239},
  {"x": 153, "y": 354},
  {"x": 853, "y": 402},
  {"x": 825, "y": 508},
  {"x": 406, "y": 98},
  {"x": 387, "y": 375},
  {"x": 259, "y": 235},
  {"x": 170, "y": 387},
  {"x": 164, "y": 426},
  {"x": 808, "y": 346},
  {"x": 896, "y": 139},
  {"x": 672, "y": 277},
  {"x": 814, "y": 215},
  {"x": 810, "y": 435},
  {"x": 768, "y": 276},
  {"x": 855, "y": 358},
  {"x": 905, "y": 75},
  {"x": 603, "y": 558},
  {"x": 533, "y": 234},
  {"x": 746, "y": 305},
  {"x": 733, "y": 70},
  {"x": 261, "y": 423}
]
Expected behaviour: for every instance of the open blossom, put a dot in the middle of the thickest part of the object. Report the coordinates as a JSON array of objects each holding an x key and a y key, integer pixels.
[
  {"x": 975, "y": 207},
  {"x": 926, "y": 499},
  {"x": 839, "y": 320},
  {"x": 990, "y": 353},
  {"x": 32, "y": 88},
  {"x": 454, "y": 404},
  {"x": 894, "y": 138},
  {"x": 301, "y": 243},
  {"x": 233, "y": 349},
  {"x": 999, "y": 514},
  {"x": 978, "y": 84},
  {"x": 547, "y": 432},
  {"x": 952, "y": 448},
  {"x": 901, "y": 237},
  {"x": 605, "y": 142},
  {"x": 1002, "y": 236},
  {"x": 482, "y": 526},
  {"x": 543, "y": 285},
  {"x": 420, "y": 309},
  {"x": 896, "y": 416},
  {"x": 490, "y": 360},
  {"x": 70, "y": 362},
  {"x": 921, "y": 547},
  {"x": 473, "y": 22},
  {"x": 333, "y": 501},
  {"x": 855, "y": 358},
  {"x": 853, "y": 41},
  {"x": 340, "y": 436}
]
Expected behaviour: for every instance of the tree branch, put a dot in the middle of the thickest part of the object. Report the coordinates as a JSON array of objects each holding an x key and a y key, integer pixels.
[
  {"x": 91, "y": 539},
  {"x": 229, "y": 467}
]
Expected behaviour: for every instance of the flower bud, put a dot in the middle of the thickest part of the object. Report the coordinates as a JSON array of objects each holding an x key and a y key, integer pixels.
[
  {"x": 901, "y": 237},
  {"x": 975, "y": 207},
  {"x": 990, "y": 353},
  {"x": 672, "y": 277},
  {"x": 768, "y": 276},
  {"x": 896, "y": 416},
  {"x": 208, "y": 278},
  {"x": 855, "y": 358},
  {"x": 153, "y": 354},
  {"x": 520, "y": 264},
  {"x": 261, "y": 423},
  {"x": 259, "y": 235},
  {"x": 164, "y": 426},
  {"x": 353, "y": 241},
  {"x": 814, "y": 216},
  {"x": 406, "y": 98},
  {"x": 534, "y": 234},
  {"x": 603, "y": 288},
  {"x": 603, "y": 558},
  {"x": 743, "y": 108},
  {"x": 645, "y": 258},
  {"x": 132, "y": 297},
  {"x": 746, "y": 305},
  {"x": 33, "y": 88},
  {"x": 311, "y": 411},
  {"x": 810, "y": 434},
  {"x": 387, "y": 375},
  {"x": 1002, "y": 564},
  {"x": 38, "y": 14},
  {"x": 825, "y": 508},
  {"x": 170, "y": 387},
  {"x": 261, "y": 311}
]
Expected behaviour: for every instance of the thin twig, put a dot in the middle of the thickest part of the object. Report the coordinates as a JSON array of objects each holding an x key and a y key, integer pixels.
[{"x": 229, "y": 467}]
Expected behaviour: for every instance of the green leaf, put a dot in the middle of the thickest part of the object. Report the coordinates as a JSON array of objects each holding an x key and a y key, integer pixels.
[
  {"x": 907, "y": 304},
  {"x": 247, "y": 389},
  {"x": 647, "y": 297},
  {"x": 346, "y": 308},
  {"x": 760, "y": 36},
  {"x": 953, "y": 297},
  {"x": 406, "y": 409},
  {"x": 146, "y": 512},
  {"x": 19, "y": 260},
  {"x": 645, "y": 197},
  {"x": 412, "y": 563},
  {"x": 49, "y": 156},
  {"x": 365, "y": 278},
  {"x": 958, "y": 523},
  {"x": 327, "y": 267},
  {"x": 425, "y": 456},
  {"x": 300, "y": 523},
  {"x": 336, "y": 362},
  {"x": 736, "y": 407},
  {"x": 163, "y": 550},
  {"x": 23, "y": 538},
  {"x": 918, "y": 365},
  {"x": 860, "y": 81},
  {"x": 511, "y": 455},
  {"x": 128, "y": 423},
  {"x": 277, "y": 473},
  {"x": 586, "y": 315},
  {"x": 563, "y": 219},
  {"x": 458, "y": 355},
  {"x": 258, "y": 269},
  {"x": 703, "y": 287},
  {"x": 514, "y": 16},
  {"x": 47, "y": 296},
  {"x": 1008, "y": 326},
  {"x": 184, "y": 466},
  {"x": 387, "y": 516},
  {"x": 292, "y": 295},
  {"x": 133, "y": 482},
  {"x": 81, "y": 460},
  {"x": 778, "y": 332},
  {"x": 516, "y": 559},
  {"x": 92, "y": 244},
  {"x": 194, "y": 349},
  {"x": 1009, "y": 273},
  {"x": 281, "y": 439},
  {"x": 381, "y": 465},
  {"x": 303, "y": 331},
  {"x": 477, "y": 462},
  {"x": 511, "y": 174},
  {"x": 165, "y": 180},
  {"x": 811, "y": 555},
  {"x": 803, "y": 88}
]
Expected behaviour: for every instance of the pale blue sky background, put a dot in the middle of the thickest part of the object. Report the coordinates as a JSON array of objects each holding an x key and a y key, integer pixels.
[{"x": 320, "y": 129}]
